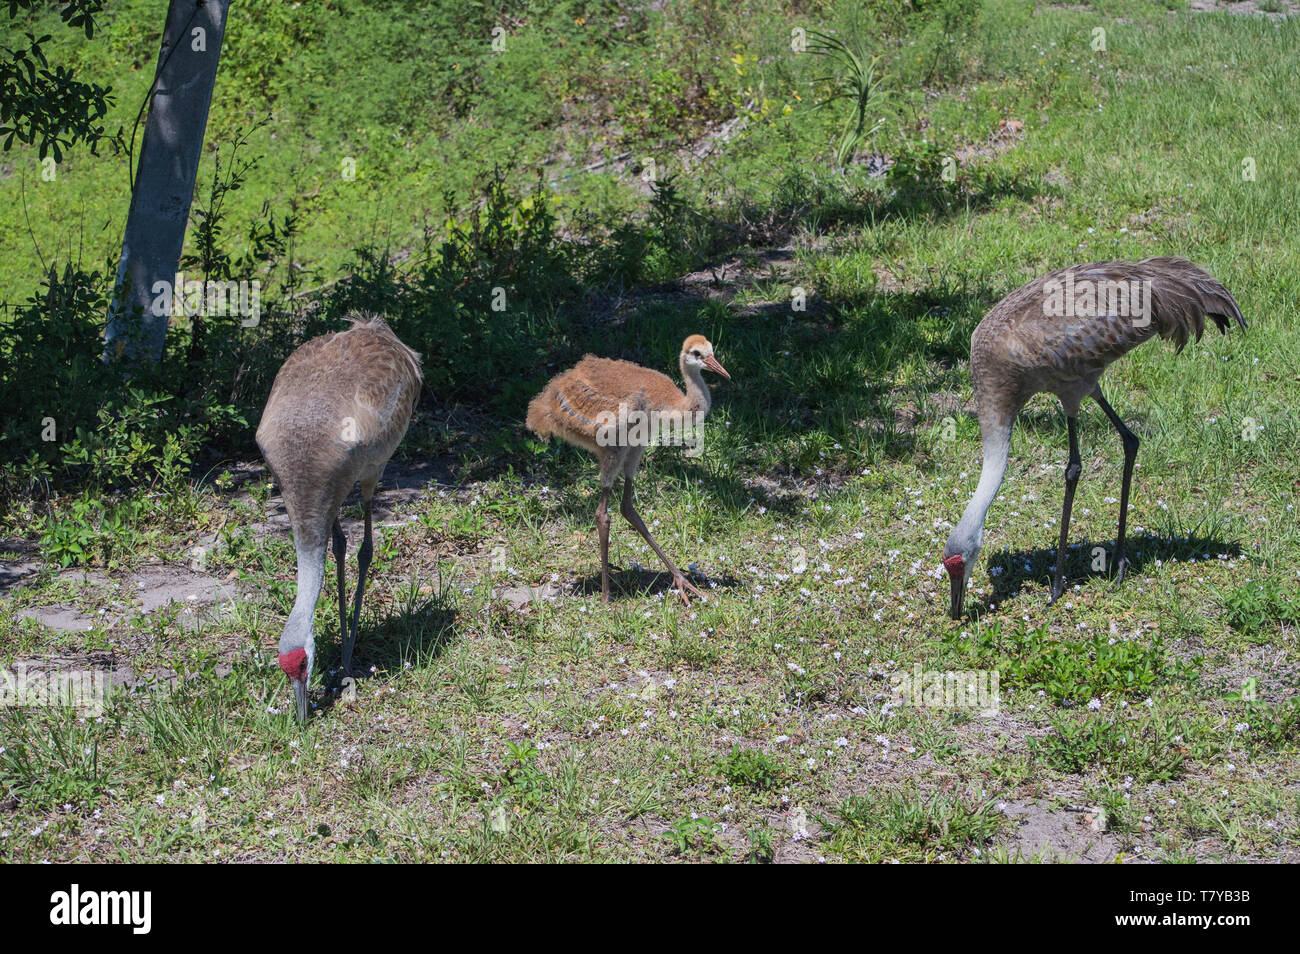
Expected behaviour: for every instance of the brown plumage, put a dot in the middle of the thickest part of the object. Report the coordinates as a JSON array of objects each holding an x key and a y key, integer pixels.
[
  {"x": 1058, "y": 334},
  {"x": 614, "y": 409},
  {"x": 339, "y": 407}
]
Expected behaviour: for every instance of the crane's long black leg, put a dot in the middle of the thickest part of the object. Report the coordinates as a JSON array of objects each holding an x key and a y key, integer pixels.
[
  {"x": 1120, "y": 562},
  {"x": 1072, "y": 471},
  {"x": 340, "y": 553},
  {"x": 363, "y": 564},
  {"x": 634, "y": 518},
  {"x": 602, "y": 529}
]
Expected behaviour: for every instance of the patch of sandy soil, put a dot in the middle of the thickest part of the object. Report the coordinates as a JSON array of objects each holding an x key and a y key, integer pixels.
[
  {"x": 1289, "y": 8},
  {"x": 24, "y": 563},
  {"x": 116, "y": 671},
  {"x": 66, "y": 619},
  {"x": 145, "y": 590},
  {"x": 1076, "y": 834},
  {"x": 190, "y": 592},
  {"x": 521, "y": 596},
  {"x": 801, "y": 837}
]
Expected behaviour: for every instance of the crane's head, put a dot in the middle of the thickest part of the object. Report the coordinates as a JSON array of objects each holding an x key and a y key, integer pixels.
[
  {"x": 959, "y": 560},
  {"x": 296, "y": 655},
  {"x": 698, "y": 353}
]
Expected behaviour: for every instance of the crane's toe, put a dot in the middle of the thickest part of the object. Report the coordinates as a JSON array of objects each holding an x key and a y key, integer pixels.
[
  {"x": 683, "y": 587},
  {"x": 1120, "y": 566}
]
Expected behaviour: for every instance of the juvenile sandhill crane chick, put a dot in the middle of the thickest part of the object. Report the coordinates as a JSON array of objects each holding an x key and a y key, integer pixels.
[
  {"x": 585, "y": 406},
  {"x": 339, "y": 407},
  {"x": 1058, "y": 334}
]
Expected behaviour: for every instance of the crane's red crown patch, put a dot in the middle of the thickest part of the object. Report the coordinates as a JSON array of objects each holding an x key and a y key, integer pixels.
[{"x": 294, "y": 663}]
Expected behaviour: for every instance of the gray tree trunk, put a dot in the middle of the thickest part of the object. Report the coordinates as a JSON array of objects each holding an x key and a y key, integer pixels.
[{"x": 164, "y": 181}]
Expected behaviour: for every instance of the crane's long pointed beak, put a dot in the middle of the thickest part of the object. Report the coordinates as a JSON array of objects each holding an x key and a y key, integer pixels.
[
  {"x": 958, "y": 571},
  {"x": 712, "y": 364},
  {"x": 301, "y": 707}
]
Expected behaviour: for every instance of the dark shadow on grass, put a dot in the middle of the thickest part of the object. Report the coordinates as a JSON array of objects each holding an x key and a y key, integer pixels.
[
  {"x": 631, "y": 582},
  {"x": 419, "y": 634},
  {"x": 579, "y": 488},
  {"x": 806, "y": 202},
  {"x": 1010, "y": 570}
]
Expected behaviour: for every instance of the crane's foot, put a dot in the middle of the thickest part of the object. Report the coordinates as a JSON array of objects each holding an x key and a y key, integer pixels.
[
  {"x": 1120, "y": 566},
  {"x": 683, "y": 585},
  {"x": 1058, "y": 590}
]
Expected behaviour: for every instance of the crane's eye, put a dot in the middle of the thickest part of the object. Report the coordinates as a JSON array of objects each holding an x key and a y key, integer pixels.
[{"x": 695, "y": 353}]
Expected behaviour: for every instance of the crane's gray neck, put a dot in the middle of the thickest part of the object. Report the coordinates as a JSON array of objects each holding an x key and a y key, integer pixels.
[
  {"x": 968, "y": 534},
  {"x": 698, "y": 398},
  {"x": 311, "y": 574}
]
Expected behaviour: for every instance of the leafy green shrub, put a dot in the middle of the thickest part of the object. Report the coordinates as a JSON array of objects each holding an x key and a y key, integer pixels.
[
  {"x": 135, "y": 441},
  {"x": 522, "y": 776},
  {"x": 50, "y": 369},
  {"x": 1148, "y": 747},
  {"x": 1072, "y": 671},
  {"x": 481, "y": 308},
  {"x": 68, "y": 419},
  {"x": 91, "y": 530},
  {"x": 761, "y": 850},
  {"x": 909, "y": 826},
  {"x": 1254, "y": 606},
  {"x": 1272, "y": 727},
  {"x": 752, "y": 769},
  {"x": 692, "y": 835},
  {"x": 855, "y": 79},
  {"x": 916, "y": 179},
  {"x": 50, "y": 108},
  {"x": 52, "y": 758},
  {"x": 71, "y": 418}
]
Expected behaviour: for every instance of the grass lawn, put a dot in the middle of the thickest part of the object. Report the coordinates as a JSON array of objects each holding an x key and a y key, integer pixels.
[{"x": 502, "y": 713}]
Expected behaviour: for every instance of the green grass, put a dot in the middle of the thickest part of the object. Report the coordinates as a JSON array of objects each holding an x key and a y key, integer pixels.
[
  {"x": 1144, "y": 748},
  {"x": 751, "y": 769},
  {"x": 1254, "y": 607},
  {"x": 414, "y": 96},
  {"x": 1073, "y": 671},
  {"x": 758, "y": 725},
  {"x": 900, "y": 826}
]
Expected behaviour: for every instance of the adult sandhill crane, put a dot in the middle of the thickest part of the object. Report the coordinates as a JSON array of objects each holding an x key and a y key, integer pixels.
[
  {"x": 1058, "y": 334},
  {"x": 614, "y": 409},
  {"x": 338, "y": 409}
]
